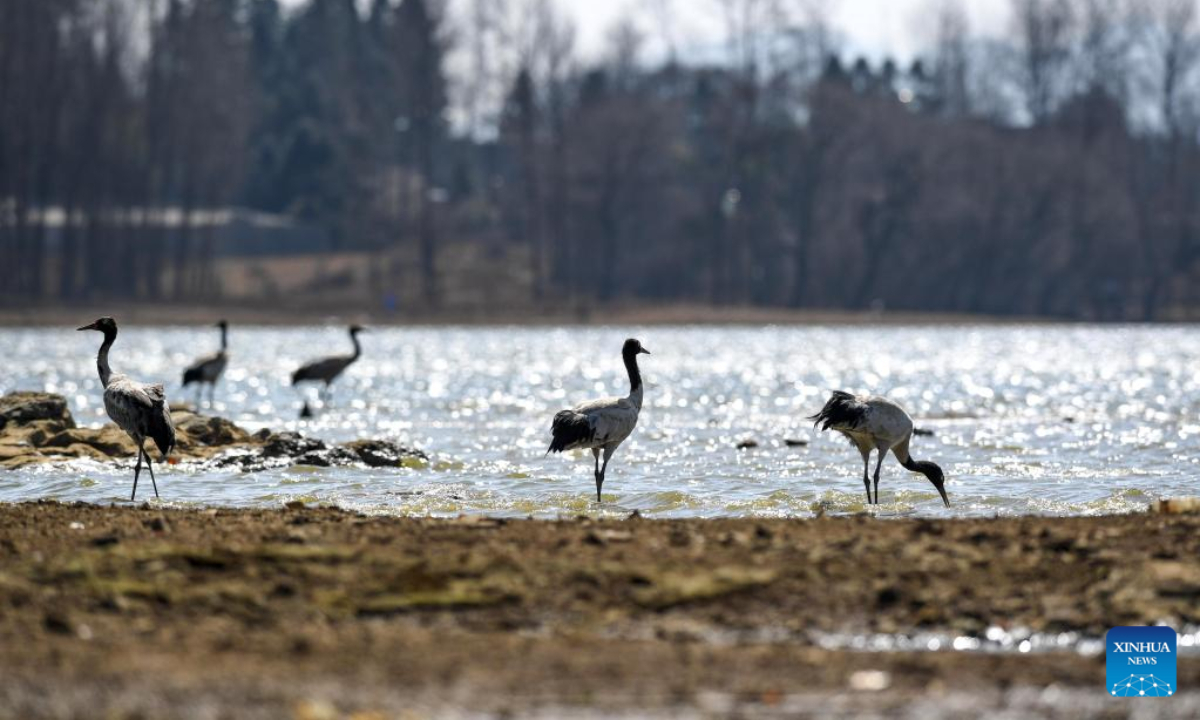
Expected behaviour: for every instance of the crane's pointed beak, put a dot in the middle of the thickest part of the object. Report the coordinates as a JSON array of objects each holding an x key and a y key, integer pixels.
[
  {"x": 643, "y": 351},
  {"x": 87, "y": 327},
  {"x": 942, "y": 491}
]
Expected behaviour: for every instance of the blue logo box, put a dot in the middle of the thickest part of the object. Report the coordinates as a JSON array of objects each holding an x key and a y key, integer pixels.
[{"x": 1140, "y": 661}]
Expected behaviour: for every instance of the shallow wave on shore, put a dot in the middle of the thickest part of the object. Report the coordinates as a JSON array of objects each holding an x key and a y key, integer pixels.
[{"x": 1051, "y": 420}]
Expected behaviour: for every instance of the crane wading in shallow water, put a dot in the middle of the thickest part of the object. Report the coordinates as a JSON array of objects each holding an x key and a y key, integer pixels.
[
  {"x": 602, "y": 424},
  {"x": 137, "y": 408},
  {"x": 328, "y": 369},
  {"x": 208, "y": 369},
  {"x": 876, "y": 423}
]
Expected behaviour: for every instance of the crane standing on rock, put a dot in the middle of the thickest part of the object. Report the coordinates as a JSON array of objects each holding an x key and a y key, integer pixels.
[
  {"x": 602, "y": 424},
  {"x": 328, "y": 369},
  {"x": 139, "y": 409},
  {"x": 876, "y": 423},
  {"x": 208, "y": 369}
]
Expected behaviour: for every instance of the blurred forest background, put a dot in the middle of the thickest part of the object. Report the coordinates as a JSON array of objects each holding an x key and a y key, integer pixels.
[{"x": 419, "y": 156}]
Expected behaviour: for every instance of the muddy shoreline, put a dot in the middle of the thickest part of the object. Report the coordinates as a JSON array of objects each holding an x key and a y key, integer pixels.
[{"x": 148, "y": 611}]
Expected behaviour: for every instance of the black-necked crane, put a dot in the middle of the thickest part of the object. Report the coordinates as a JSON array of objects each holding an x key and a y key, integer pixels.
[
  {"x": 602, "y": 425},
  {"x": 871, "y": 423},
  {"x": 207, "y": 370},
  {"x": 328, "y": 369},
  {"x": 139, "y": 409}
]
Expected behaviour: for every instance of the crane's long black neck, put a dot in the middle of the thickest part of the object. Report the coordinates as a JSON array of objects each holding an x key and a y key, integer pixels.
[
  {"x": 357, "y": 349},
  {"x": 635, "y": 376},
  {"x": 931, "y": 471},
  {"x": 921, "y": 466},
  {"x": 224, "y": 338},
  {"x": 110, "y": 337}
]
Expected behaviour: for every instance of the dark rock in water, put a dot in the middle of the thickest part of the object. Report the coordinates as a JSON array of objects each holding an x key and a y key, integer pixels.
[
  {"x": 108, "y": 440},
  {"x": 276, "y": 450},
  {"x": 382, "y": 453},
  {"x": 747, "y": 444},
  {"x": 291, "y": 448},
  {"x": 27, "y": 420},
  {"x": 328, "y": 457},
  {"x": 22, "y": 408},
  {"x": 314, "y": 459},
  {"x": 243, "y": 458},
  {"x": 290, "y": 444},
  {"x": 208, "y": 430},
  {"x": 38, "y": 427},
  {"x": 792, "y": 442},
  {"x": 922, "y": 432}
]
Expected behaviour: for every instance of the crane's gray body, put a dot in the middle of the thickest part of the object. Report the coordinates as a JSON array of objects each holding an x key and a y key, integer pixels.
[
  {"x": 326, "y": 370},
  {"x": 875, "y": 423},
  {"x": 602, "y": 425},
  {"x": 140, "y": 409}
]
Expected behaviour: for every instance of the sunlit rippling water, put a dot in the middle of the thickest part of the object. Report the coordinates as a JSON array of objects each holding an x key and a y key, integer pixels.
[{"x": 1063, "y": 420}]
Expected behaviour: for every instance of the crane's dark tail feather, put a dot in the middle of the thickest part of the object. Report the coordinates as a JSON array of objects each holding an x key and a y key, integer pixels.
[
  {"x": 162, "y": 430},
  {"x": 299, "y": 376},
  {"x": 191, "y": 375},
  {"x": 842, "y": 410},
  {"x": 569, "y": 428}
]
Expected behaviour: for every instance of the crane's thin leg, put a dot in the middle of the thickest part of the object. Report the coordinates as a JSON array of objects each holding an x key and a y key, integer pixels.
[
  {"x": 608, "y": 451},
  {"x": 137, "y": 470},
  {"x": 878, "y": 465},
  {"x": 866, "y": 456},
  {"x": 596, "y": 472},
  {"x": 150, "y": 467}
]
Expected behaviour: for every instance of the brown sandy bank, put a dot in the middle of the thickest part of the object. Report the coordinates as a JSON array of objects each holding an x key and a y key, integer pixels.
[{"x": 153, "y": 612}]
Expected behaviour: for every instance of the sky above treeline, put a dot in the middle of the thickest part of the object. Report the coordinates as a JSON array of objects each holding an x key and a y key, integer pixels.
[{"x": 875, "y": 28}]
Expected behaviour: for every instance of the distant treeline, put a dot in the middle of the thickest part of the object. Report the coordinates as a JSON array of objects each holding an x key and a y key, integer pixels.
[{"x": 1052, "y": 171}]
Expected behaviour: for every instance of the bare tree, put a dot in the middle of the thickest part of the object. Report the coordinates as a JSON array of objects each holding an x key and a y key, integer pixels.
[
  {"x": 1169, "y": 45},
  {"x": 952, "y": 59},
  {"x": 1044, "y": 35}
]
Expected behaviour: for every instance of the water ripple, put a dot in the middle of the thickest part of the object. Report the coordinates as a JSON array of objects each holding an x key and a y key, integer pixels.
[{"x": 1067, "y": 420}]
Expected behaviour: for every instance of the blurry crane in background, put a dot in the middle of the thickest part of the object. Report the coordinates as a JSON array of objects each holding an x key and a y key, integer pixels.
[
  {"x": 137, "y": 408},
  {"x": 602, "y": 424},
  {"x": 876, "y": 423},
  {"x": 208, "y": 369},
  {"x": 327, "y": 369}
]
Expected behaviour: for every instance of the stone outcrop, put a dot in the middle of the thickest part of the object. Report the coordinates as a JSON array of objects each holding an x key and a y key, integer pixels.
[
  {"x": 30, "y": 407},
  {"x": 29, "y": 419},
  {"x": 38, "y": 427}
]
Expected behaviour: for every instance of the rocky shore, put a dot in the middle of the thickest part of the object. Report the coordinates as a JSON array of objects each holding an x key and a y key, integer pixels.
[
  {"x": 38, "y": 427},
  {"x": 138, "y": 612}
]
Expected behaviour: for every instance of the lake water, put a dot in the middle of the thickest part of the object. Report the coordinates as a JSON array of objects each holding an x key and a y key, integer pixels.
[{"x": 1068, "y": 420}]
